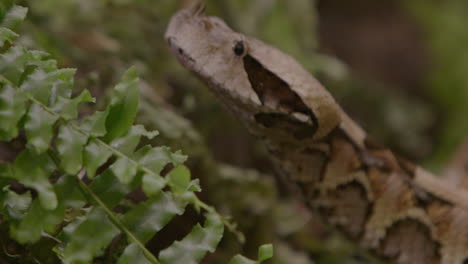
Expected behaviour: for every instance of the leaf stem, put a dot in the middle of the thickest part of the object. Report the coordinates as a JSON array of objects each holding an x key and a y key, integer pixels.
[
  {"x": 118, "y": 223},
  {"x": 230, "y": 226}
]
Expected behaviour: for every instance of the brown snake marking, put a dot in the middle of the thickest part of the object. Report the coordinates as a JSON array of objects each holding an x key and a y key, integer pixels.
[{"x": 387, "y": 204}]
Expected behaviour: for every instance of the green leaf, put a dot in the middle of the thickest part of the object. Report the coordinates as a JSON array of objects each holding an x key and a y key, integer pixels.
[
  {"x": 156, "y": 158},
  {"x": 265, "y": 252},
  {"x": 89, "y": 238},
  {"x": 62, "y": 84},
  {"x": 14, "y": 16},
  {"x": 66, "y": 234},
  {"x": 123, "y": 106},
  {"x": 38, "y": 127},
  {"x": 13, "y": 62},
  {"x": 124, "y": 169},
  {"x": 41, "y": 60},
  {"x": 36, "y": 221},
  {"x": 152, "y": 184},
  {"x": 7, "y": 35},
  {"x": 12, "y": 109},
  {"x": 47, "y": 85},
  {"x": 196, "y": 244},
  {"x": 68, "y": 108},
  {"x": 33, "y": 171},
  {"x": 68, "y": 193},
  {"x": 38, "y": 85},
  {"x": 109, "y": 189},
  {"x": 39, "y": 220},
  {"x": 16, "y": 205},
  {"x": 129, "y": 142},
  {"x": 150, "y": 216},
  {"x": 95, "y": 124},
  {"x": 95, "y": 155},
  {"x": 70, "y": 145},
  {"x": 133, "y": 254},
  {"x": 179, "y": 179},
  {"x": 194, "y": 186}
]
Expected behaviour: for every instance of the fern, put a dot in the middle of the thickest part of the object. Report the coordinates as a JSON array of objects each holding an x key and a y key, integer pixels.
[{"x": 74, "y": 172}]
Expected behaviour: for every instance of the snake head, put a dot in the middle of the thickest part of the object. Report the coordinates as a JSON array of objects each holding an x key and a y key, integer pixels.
[{"x": 254, "y": 79}]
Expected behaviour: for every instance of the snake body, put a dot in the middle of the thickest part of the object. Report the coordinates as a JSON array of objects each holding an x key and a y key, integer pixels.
[{"x": 390, "y": 206}]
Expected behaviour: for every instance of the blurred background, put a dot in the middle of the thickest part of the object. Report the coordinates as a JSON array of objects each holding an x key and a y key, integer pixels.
[{"x": 399, "y": 68}]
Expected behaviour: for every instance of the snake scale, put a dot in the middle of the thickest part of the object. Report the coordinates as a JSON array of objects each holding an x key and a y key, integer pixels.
[{"x": 391, "y": 207}]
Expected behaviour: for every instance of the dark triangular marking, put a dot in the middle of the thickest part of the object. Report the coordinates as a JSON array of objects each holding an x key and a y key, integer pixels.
[{"x": 271, "y": 89}]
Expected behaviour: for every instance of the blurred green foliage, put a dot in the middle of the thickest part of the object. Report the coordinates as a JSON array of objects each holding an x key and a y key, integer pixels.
[{"x": 444, "y": 24}]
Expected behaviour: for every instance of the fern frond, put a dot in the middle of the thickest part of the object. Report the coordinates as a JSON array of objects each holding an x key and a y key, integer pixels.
[{"x": 77, "y": 171}]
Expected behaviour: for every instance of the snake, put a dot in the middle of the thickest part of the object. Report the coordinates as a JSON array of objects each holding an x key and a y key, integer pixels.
[{"x": 386, "y": 204}]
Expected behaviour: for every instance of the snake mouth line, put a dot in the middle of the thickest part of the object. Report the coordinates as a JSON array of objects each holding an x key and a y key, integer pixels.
[{"x": 300, "y": 130}]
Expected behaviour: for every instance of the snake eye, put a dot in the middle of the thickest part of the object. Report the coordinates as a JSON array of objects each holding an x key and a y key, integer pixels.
[{"x": 239, "y": 48}]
